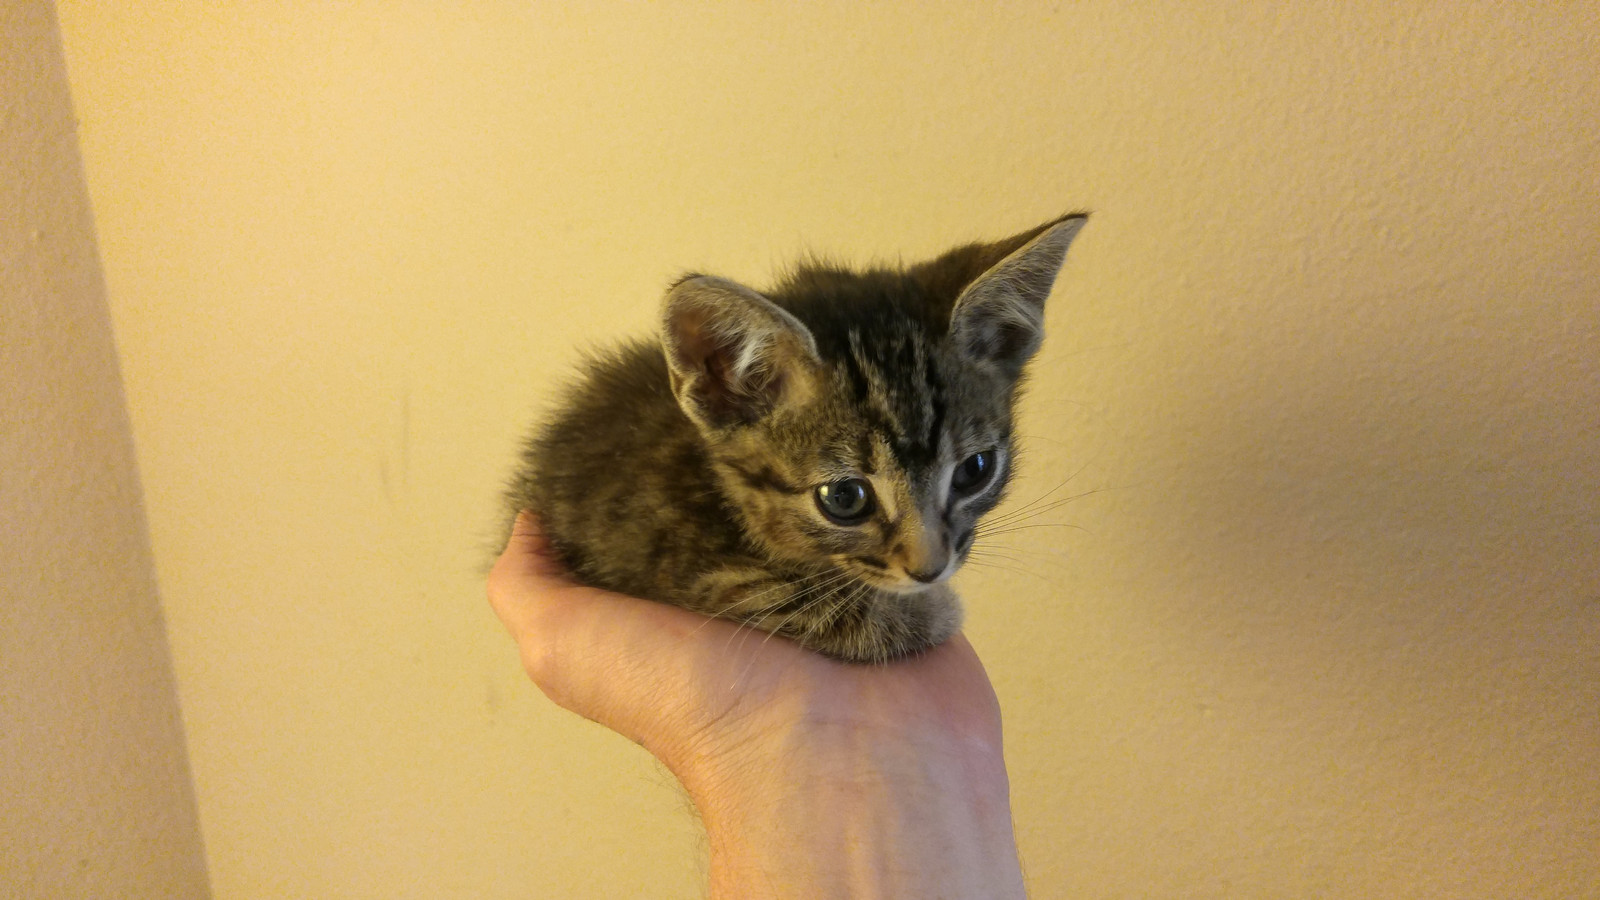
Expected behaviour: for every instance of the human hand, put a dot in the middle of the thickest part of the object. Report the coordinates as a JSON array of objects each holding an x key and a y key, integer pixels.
[{"x": 812, "y": 776}]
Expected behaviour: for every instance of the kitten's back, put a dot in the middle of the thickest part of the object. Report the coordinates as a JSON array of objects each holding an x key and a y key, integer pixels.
[{"x": 619, "y": 478}]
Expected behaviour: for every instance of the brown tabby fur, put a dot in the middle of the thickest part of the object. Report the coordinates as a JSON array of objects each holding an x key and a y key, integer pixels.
[{"x": 685, "y": 469}]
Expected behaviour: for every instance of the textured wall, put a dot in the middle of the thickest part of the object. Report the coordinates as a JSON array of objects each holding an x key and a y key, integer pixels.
[
  {"x": 95, "y": 797},
  {"x": 1327, "y": 351}
]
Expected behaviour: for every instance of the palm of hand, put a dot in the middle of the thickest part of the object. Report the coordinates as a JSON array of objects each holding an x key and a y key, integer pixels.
[{"x": 708, "y": 697}]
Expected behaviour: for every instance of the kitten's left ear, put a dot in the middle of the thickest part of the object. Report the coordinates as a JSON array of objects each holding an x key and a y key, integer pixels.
[
  {"x": 999, "y": 317},
  {"x": 734, "y": 356}
]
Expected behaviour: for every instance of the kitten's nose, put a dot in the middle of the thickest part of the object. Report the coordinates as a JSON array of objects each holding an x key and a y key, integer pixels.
[
  {"x": 923, "y": 552},
  {"x": 930, "y": 567}
]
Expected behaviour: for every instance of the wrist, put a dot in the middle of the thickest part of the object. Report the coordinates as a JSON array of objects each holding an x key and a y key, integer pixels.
[{"x": 830, "y": 808}]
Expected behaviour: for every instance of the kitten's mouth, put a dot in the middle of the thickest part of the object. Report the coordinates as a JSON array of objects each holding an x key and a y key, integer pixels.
[{"x": 900, "y": 584}]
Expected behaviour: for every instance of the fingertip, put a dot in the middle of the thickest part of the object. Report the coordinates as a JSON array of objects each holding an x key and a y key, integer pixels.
[
  {"x": 527, "y": 537},
  {"x": 527, "y": 555},
  {"x": 526, "y": 525}
]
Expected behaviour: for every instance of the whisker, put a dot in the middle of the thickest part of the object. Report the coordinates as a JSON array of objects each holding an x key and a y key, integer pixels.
[
  {"x": 845, "y": 599},
  {"x": 1016, "y": 569},
  {"x": 990, "y": 557},
  {"x": 1058, "y": 487},
  {"x": 810, "y": 604},
  {"x": 1012, "y": 529},
  {"x": 806, "y": 607},
  {"x": 725, "y": 612},
  {"x": 1029, "y": 511},
  {"x": 750, "y": 622}
]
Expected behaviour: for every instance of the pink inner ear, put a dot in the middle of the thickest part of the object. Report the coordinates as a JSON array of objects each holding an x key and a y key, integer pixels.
[
  {"x": 707, "y": 358},
  {"x": 707, "y": 351},
  {"x": 691, "y": 340}
]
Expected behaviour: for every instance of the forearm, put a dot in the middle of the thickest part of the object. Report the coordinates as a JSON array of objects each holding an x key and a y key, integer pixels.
[{"x": 865, "y": 819}]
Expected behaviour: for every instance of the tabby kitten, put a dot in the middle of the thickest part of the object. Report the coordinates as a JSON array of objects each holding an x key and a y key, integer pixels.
[{"x": 811, "y": 461}]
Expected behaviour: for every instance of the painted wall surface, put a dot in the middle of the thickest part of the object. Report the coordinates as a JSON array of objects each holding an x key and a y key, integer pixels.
[
  {"x": 1327, "y": 356},
  {"x": 95, "y": 795}
]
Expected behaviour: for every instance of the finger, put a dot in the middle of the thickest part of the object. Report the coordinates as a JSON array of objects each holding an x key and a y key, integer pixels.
[{"x": 528, "y": 553}]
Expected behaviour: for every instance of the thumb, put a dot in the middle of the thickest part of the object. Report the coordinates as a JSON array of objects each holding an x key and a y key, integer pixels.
[
  {"x": 529, "y": 588},
  {"x": 528, "y": 553},
  {"x": 618, "y": 660}
]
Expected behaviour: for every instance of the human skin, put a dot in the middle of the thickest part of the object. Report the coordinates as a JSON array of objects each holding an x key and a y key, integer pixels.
[{"x": 813, "y": 778}]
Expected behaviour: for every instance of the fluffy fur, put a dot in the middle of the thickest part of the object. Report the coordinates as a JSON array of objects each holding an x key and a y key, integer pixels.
[{"x": 811, "y": 461}]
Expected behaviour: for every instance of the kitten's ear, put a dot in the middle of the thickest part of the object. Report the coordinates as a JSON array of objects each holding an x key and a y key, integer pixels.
[
  {"x": 734, "y": 356},
  {"x": 999, "y": 317}
]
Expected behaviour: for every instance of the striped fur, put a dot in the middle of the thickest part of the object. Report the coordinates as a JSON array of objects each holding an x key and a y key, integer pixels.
[{"x": 686, "y": 469}]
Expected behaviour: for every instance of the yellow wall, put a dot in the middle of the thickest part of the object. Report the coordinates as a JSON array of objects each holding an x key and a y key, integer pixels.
[
  {"x": 95, "y": 796},
  {"x": 1328, "y": 348}
]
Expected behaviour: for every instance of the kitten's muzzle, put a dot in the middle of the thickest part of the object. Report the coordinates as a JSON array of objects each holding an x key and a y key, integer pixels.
[{"x": 926, "y": 560}]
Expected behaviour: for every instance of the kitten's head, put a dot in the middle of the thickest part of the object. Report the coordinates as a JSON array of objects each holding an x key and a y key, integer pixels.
[{"x": 862, "y": 421}]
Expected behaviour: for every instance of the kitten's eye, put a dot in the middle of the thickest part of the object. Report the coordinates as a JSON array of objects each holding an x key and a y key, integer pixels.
[
  {"x": 845, "y": 502},
  {"x": 973, "y": 473}
]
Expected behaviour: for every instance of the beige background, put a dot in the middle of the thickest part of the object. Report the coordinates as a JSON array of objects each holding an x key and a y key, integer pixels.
[{"x": 1329, "y": 351}]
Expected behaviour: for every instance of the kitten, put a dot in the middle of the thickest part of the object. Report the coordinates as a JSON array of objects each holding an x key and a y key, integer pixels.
[{"x": 811, "y": 461}]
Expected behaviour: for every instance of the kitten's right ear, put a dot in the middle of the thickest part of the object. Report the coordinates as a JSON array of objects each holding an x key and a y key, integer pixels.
[{"x": 734, "y": 356}]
